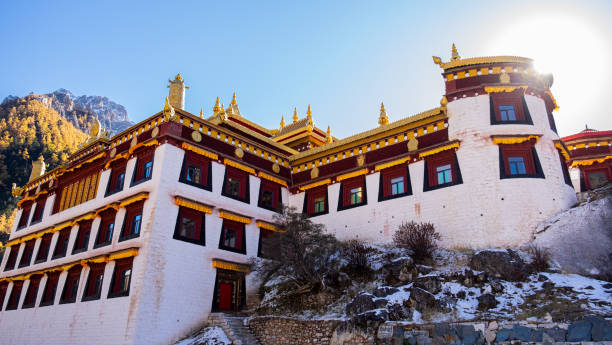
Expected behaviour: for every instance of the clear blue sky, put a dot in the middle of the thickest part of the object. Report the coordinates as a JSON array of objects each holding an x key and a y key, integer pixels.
[{"x": 343, "y": 58}]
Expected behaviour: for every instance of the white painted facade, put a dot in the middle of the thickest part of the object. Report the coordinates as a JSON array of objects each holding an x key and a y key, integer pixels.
[{"x": 484, "y": 211}]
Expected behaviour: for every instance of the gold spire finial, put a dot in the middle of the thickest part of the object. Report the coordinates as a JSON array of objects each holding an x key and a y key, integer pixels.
[
  {"x": 328, "y": 137},
  {"x": 383, "y": 119},
  {"x": 234, "y": 99},
  {"x": 443, "y": 101},
  {"x": 295, "y": 115},
  {"x": 217, "y": 108},
  {"x": 178, "y": 77},
  {"x": 201, "y": 113},
  {"x": 167, "y": 105},
  {"x": 282, "y": 123},
  {"x": 455, "y": 54},
  {"x": 230, "y": 110},
  {"x": 168, "y": 110},
  {"x": 309, "y": 112}
]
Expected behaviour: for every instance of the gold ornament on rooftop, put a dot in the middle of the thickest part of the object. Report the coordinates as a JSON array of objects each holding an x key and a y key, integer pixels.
[
  {"x": 282, "y": 123},
  {"x": 383, "y": 119},
  {"x": 295, "y": 115},
  {"x": 455, "y": 55},
  {"x": 314, "y": 173},
  {"x": 239, "y": 152},
  {"x": 196, "y": 136},
  {"x": 217, "y": 108},
  {"x": 276, "y": 168},
  {"x": 328, "y": 137},
  {"x": 169, "y": 113},
  {"x": 413, "y": 144}
]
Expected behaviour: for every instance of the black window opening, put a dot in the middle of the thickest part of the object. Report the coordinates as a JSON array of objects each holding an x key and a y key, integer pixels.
[
  {"x": 233, "y": 237},
  {"x": 116, "y": 180},
  {"x": 82, "y": 239},
  {"x": 190, "y": 225},
  {"x": 71, "y": 285},
  {"x": 196, "y": 171},
  {"x": 32, "y": 291},
  {"x": 121, "y": 279},
  {"x": 26, "y": 256},
  {"x": 15, "y": 295},
  {"x": 269, "y": 246},
  {"x": 143, "y": 171},
  {"x": 43, "y": 249},
  {"x": 270, "y": 196},
  {"x": 39, "y": 208},
  {"x": 236, "y": 184},
  {"x": 25, "y": 214},
  {"x": 61, "y": 247},
  {"x": 132, "y": 222},
  {"x": 93, "y": 285},
  {"x": 106, "y": 229},
  {"x": 48, "y": 297},
  {"x": 12, "y": 259}
]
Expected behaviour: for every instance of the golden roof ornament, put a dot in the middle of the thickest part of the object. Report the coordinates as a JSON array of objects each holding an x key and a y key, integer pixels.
[
  {"x": 295, "y": 115},
  {"x": 328, "y": 137},
  {"x": 383, "y": 119},
  {"x": 178, "y": 77},
  {"x": 217, "y": 108},
  {"x": 282, "y": 123},
  {"x": 455, "y": 55},
  {"x": 168, "y": 110},
  {"x": 443, "y": 103},
  {"x": 38, "y": 168},
  {"x": 234, "y": 100},
  {"x": 201, "y": 113},
  {"x": 234, "y": 106},
  {"x": 230, "y": 110},
  {"x": 309, "y": 112}
]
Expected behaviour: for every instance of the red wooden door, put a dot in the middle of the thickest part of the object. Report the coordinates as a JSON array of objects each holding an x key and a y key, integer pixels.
[{"x": 225, "y": 296}]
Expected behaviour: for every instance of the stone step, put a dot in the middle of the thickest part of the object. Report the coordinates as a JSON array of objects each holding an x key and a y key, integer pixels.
[{"x": 234, "y": 327}]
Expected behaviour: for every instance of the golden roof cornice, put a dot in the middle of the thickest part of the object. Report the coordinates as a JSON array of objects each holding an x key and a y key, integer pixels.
[{"x": 481, "y": 60}]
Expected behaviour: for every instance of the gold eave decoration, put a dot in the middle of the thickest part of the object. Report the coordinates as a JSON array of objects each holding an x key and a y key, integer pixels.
[
  {"x": 117, "y": 157},
  {"x": 583, "y": 162},
  {"x": 239, "y": 166},
  {"x": 552, "y": 98},
  {"x": 199, "y": 151},
  {"x": 139, "y": 145},
  {"x": 127, "y": 253},
  {"x": 33, "y": 197},
  {"x": 439, "y": 149},
  {"x": 352, "y": 174},
  {"x": 316, "y": 184},
  {"x": 508, "y": 140},
  {"x": 268, "y": 226},
  {"x": 136, "y": 198},
  {"x": 234, "y": 217},
  {"x": 483, "y": 60},
  {"x": 507, "y": 88},
  {"x": 563, "y": 150},
  {"x": 94, "y": 158},
  {"x": 231, "y": 266},
  {"x": 271, "y": 178},
  {"x": 194, "y": 205},
  {"x": 391, "y": 164}
]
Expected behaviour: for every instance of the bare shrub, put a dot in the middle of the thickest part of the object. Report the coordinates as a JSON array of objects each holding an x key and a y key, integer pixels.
[
  {"x": 356, "y": 253},
  {"x": 420, "y": 238},
  {"x": 540, "y": 258}
]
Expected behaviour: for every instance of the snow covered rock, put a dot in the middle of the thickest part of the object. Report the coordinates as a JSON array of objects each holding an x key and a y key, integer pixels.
[
  {"x": 432, "y": 284},
  {"x": 401, "y": 270},
  {"x": 422, "y": 300},
  {"x": 506, "y": 265},
  {"x": 361, "y": 303},
  {"x": 486, "y": 301}
]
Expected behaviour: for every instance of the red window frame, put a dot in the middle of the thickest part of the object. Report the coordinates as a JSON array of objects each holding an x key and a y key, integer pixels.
[
  {"x": 437, "y": 160},
  {"x": 3, "y": 287},
  {"x": 131, "y": 212},
  {"x": 386, "y": 175},
  {"x": 199, "y": 225},
  {"x": 524, "y": 150},
  {"x": 71, "y": 285},
  {"x": 48, "y": 297},
  {"x": 242, "y": 177},
  {"x": 83, "y": 234},
  {"x": 275, "y": 189},
  {"x": 311, "y": 196},
  {"x": 26, "y": 256},
  {"x": 107, "y": 218},
  {"x": 193, "y": 159},
  {"x": 25, "y": 214},
  {"x": 121, "y": 266},
  {"x": 39, "y": 209},
  {"x": 508, "y": 98},
  {"x": 345, "y": 190},
  {"x": 43, "y": 249},
  {"x": 116, "y": 170},
  {"x": 93, "y": 291},
  {"x": 13, "y": 302},
  {"x": 12, "y": 259},
  {"x": 268, "y": 250},
  {"x": 61, "y": 246},
  {"x": 238, "y": 228},
  {"x": 32, "y": 292},
  {"x": 596, "y": 168},
  {"x": 142, "y": 158}
]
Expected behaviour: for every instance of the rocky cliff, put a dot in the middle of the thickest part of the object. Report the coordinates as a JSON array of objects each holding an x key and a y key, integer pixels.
[{"x": 81, "y": 110}]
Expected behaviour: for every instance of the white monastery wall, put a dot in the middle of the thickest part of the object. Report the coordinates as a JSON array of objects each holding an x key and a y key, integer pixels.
[{"x": 484, "y": 211}]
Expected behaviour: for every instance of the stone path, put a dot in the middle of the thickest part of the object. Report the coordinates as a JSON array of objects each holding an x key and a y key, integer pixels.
[{"x": 234, "y": 328}]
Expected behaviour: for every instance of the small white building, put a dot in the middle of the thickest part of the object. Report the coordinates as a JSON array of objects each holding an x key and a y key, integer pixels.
[{"x": 140, "y": 236}]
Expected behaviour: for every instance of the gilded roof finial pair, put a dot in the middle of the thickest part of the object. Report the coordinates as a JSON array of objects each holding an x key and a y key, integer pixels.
[
  {"x": 231, "y": 110},
  {"x": 454, "y": 56}
]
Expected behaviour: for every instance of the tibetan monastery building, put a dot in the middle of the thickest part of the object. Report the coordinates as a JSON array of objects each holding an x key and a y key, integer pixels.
[
  {"x": 590, "y": 158},
  {"x": 139, "y": 236}
]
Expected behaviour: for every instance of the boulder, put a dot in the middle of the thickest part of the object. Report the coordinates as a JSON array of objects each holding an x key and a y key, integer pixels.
[
  {"x": 384, "y": 291},
  {"x": 506, "y": 264},
  {"x": 401, "y": 270},
  {"x": 370, "y": 320},
  {"x": 422, "y": 300},
  {"x": 361, "y": 303},
  {"x": 398, "y": 312},
  {"x": 380, "y": 302},
  {"x": 496, "y": 286},
  {"x": 338, "y": 280},
  {"x": 431, "y": 284},
  {"x": 486, "y": 301}
]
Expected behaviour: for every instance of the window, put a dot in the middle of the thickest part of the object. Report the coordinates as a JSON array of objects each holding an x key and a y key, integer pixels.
[
  {"x": 269, "y": 195},
  {"x": 71, "y": 285},
  {"x": 39, "y": 208},
  {"x": 394, "y": 182},
  {"x": 15, "y": 295},
  {"x": 3, "y": 288},
  {"x": 82, "y": 239},
  {"x": 236, "y": 184},
  {"x": 509, "y": 108},
  {"x": 107, "y": 225},
  {"x": 507, "y": 113},
  {"x": 144, "y": 166},
  {"x": 48, "y": 297},
  {"x": 26, "y": 256},
  {"x": 315, "y": 201},
  {"x": 43, "y": 249},
  {"x": 12, "y": 259},
  {"x": 93, "y": 287},
  {"x": 61, "y": 246},
  {"x": 32, "y": 292},
  {"x": 25, "y": 214},
  {"x": 195, "y": 171},
  {"x": 269, "y": 244},
  {"x": 120, "y": 283},
  {"x": 232, "y": 237},
  {"x": 190, "y": 226},
  {"x": 519, "y": 160},
  {"x": 132, "y": 222},
  {"x": 596, "y": 179},
  {"x": 352, "y": 193},
  {"x": 117, "y": 179},
  {"x": 444, "y": 174},
  {"x": 564, "y": 169},
  {"x": 77, "y": 191},
  {"x": 441, "y": 170}
]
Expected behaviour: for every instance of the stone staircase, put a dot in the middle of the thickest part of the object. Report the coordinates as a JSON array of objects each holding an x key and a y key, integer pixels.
[{"x": 234, "y": 327}]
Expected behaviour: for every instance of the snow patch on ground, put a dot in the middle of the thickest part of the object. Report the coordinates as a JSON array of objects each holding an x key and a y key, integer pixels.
[{"x": 207, "y": 336}]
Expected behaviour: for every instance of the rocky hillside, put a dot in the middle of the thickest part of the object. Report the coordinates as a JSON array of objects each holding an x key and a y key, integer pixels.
[{"x": 81, "y": 110}]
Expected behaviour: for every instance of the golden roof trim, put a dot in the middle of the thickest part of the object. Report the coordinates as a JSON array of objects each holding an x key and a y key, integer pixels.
[
  {"x": 135, "y": 198},
  {"x": 261, "y": 137},
  {"x": 583, "y": 162},
  {"x": 315, "y": 184},
  {"x": 514, "y": 139},
  {"x": 439, "y": 149},
  {"x": 484, "y": 60},
  {"x": 271, "y": 178},
  {"x": 391, "y": 164},
  {"x": 560, "y": 146},
  {"x": 505, "y": 88},
  {"x": 231, "y": 266},
  {"x": 352, "y": 174},
  {"x": 235, "y": 217},
  {"x": 269, "y": 226},
  {"x": 238, "y": 166},
  {"x": 200, "y": 151},
  {"x": 194, "y": 205}
]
